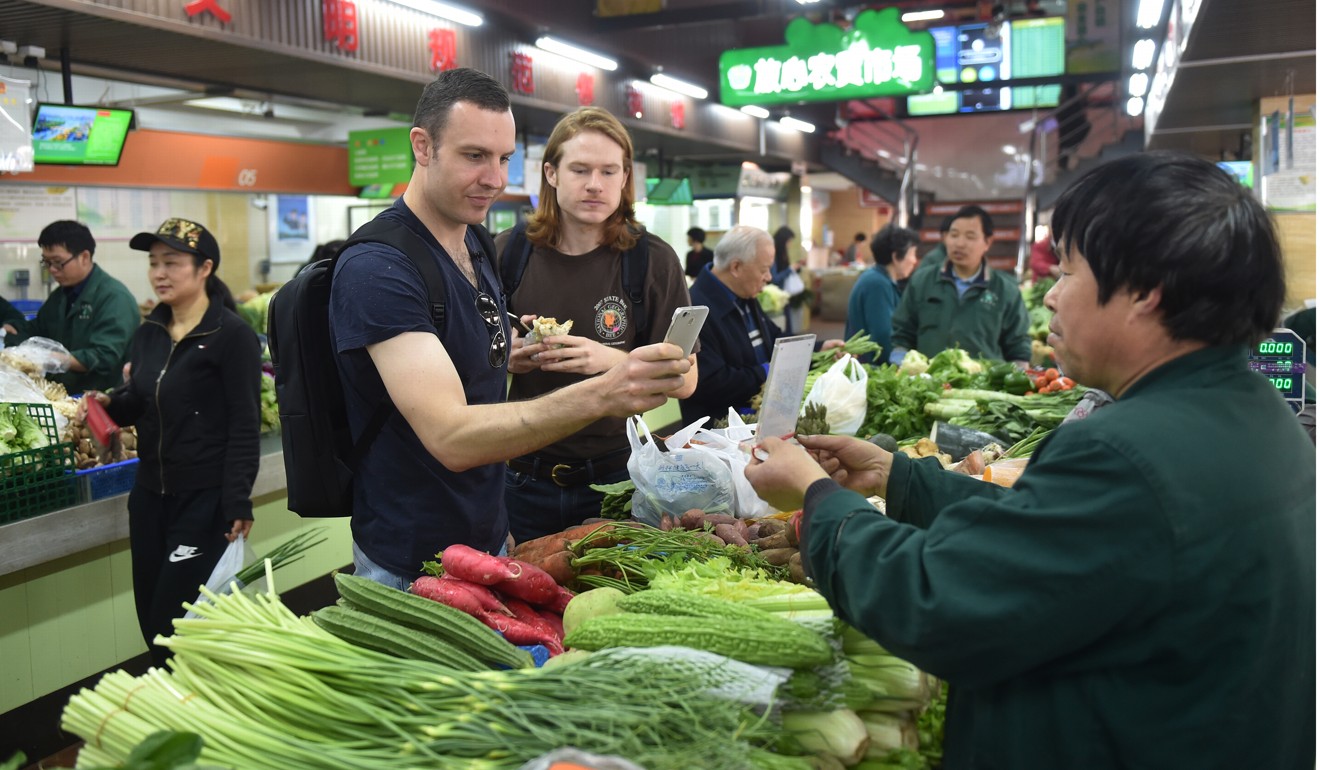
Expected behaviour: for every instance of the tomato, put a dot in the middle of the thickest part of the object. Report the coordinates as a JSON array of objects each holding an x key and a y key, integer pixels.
[
  {"x": 1067, "y": 383},
  {"x": 1052, "y": 374}
]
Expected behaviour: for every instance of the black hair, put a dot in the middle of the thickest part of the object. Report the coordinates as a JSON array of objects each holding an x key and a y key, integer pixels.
[
  {"x": 987, "y": 224},
  {"x": 72, "y": 235},
  {"x": 325, "y": 251},
  {"x": 697, "y": 234},
  {"x": 1181, "y": 224},
  {"x": 216, "y": 289},
  {"x": 947, "y": 224},
  {"x": 892, "y": 240},
  {"x": 450, "y": 88},
  {"x": 859, "y": 237},
  {"x": 781, "y": 237}
]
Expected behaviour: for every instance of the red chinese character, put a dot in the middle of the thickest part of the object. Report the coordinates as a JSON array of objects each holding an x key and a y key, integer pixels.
[
  {"x": 634, "y": 101},
  {"x": 339, "y": 22},
  {"x": 522, "y": 74},
  {"x": 586, "y": 89},
  {"x": 677, "y": 115},
  {"x": 204, "y": 6},
  {"x": 444, "y": 49}
]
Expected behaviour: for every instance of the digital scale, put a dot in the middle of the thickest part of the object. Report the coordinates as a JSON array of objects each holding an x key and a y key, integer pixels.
[{"x": 1281, "y": 357}]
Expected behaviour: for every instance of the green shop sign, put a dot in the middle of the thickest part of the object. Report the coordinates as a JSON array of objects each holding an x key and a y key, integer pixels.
[
  {"x": 380, "y": 156},
  {"x": 879, "y": 56}
]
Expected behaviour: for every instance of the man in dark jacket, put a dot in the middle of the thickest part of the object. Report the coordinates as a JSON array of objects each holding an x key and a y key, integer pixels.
[
  {"x": 738, "y": 339},
  {"x": 1144, "y": 596},
  {"x": 92, "y": 314}
]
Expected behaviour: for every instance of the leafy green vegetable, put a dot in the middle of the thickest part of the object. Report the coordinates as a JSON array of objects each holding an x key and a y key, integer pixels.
[
  {"x": 617, "y": 504},
  {"x": 270, "y": 409},
  {"x": 895, "y": 403},
  {"x": 914, "y": 362}
]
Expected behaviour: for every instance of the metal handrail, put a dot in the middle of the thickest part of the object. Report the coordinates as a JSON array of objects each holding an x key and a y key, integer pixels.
[{"x": 907, "y": 182}]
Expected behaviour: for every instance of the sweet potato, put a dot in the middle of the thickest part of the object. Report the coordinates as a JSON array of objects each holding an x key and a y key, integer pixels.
[
  {"x": 729, "y": 534},
  {"x": 753, "y": 532},
  {"x": 771, "y": 542},
  {"x": 779, "y": 557},
  {"x": 667, "y": 522},
  {"x": 715, "y": 519},
  {"x": 795, "y": 571},
  {"x": 692, "y": 518},
  {"x": 770, "y": 526}
]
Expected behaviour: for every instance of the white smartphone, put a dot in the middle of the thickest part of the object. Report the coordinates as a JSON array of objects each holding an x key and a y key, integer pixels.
[{"x": 686, "y": 325}]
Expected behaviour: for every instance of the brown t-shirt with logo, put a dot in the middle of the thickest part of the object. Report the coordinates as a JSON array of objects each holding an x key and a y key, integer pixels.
[{"x": 588, "y": 289}]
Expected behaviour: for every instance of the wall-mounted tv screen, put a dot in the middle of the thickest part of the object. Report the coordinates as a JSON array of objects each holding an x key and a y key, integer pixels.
[
  {"x": 79, "y": 136},
  {"x": 978, "y": 53}
]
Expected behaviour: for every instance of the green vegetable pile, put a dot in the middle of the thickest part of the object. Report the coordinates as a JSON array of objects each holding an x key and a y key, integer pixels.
[
  {"x": 270, "y": 410},
  {"x": 1033, "y": 295},
  {"x": 254, "y": 311},
  {"x": 617, "y": 504},
  {"x": 18, "y": 431}
]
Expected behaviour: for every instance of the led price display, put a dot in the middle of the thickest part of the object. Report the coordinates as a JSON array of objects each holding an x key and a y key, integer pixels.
[{"x": 1282, "y": 360}]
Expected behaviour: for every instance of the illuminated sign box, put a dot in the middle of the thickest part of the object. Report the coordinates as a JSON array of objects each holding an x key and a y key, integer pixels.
[
  {"x": 978, "y": 52},
  {"x": 879, "y": 56},
  {"x": 379, "y": 157}
]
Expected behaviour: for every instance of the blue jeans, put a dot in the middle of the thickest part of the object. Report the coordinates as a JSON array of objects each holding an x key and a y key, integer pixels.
[
  {"x": 365, "y": 567},
  {"x": 539, "y": 507}
]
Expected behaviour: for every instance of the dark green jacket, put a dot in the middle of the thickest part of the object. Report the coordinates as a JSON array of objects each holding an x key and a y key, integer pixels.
[
  {"x": 933, "y": 258},
  {"x": 95, "y": 328},
  {"x": 989, "y": 320},
  {"x": 12, "y": 316},
  {"x": 1144, "y": 597}
]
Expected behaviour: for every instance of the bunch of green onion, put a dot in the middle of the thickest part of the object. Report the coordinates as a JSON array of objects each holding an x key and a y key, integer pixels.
[{"x": 268, "y": 689}]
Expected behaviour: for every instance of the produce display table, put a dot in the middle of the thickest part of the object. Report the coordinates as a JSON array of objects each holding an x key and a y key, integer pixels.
[{"x": 68, "y": 531}]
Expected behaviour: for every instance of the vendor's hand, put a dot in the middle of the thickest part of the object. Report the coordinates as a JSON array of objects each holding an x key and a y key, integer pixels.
[
  {"x": 577, "y": 355},
  {"x": 858, "y": 465},
  {"x": 102, "y": 398},
  {"x": 9, "y": 329},
  {"x": 782, "y": 478},
  {"x": 238, "y": 527},
  {"x": 642, "y": 381},
  {"x": 832, "y": 345}
]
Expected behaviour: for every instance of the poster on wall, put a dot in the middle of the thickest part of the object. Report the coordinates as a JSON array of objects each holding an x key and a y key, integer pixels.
[
  {"x": 294, "y": 218},
  {"x": 25, "y": 209},
  {"x": 15, "y": 127},
  {"x": 291, "y": 222},
  {"x": 1292, "y": 186}
]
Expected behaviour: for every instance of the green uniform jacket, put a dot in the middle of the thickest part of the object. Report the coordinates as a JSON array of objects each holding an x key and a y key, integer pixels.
[
  {"x": 95, "y": 329},
  {"x": 13, "y": 316},
  {"x": 988, "y": 321},
  {"x": 933, "y": 258},
  {"x": 1144, "y": 597}
]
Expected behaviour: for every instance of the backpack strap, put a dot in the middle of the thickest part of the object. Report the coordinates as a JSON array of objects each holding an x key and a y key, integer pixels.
[
  {"x": 636, "y": 261},
  {"x": 513, "y": 260},
  {"x": 411, "y": 244}
]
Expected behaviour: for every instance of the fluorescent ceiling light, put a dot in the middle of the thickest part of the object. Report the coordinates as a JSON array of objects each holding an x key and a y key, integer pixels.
[
  {"x": 807, "y": 2},
  {"x": 1143, "y": 53},
  {"x": 1149, "y": 12},
  {"x": 570, "y": 51},
  {"x": 1135, "y": 105},
  {"x": 1009, "y": 149},
  {"x": 1137, "y": 84},
  {"x": 797, "y": 125},
  {"x": 756, "y": 112},
  {"x": 923, "y": 15},
  {"x": 446, "y": 11},
  {"x": 678, "y": 86}
]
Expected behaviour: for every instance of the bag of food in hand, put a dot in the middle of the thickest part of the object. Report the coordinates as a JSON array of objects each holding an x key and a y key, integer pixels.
[
  {"x": 544, "y": 327},
  {"x": 842, "y": 391},
  {"x": 678, "y": 480}
]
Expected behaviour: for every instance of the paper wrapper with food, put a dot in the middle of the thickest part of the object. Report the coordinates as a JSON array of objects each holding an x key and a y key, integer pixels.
[{"x": 547, "y": 327}]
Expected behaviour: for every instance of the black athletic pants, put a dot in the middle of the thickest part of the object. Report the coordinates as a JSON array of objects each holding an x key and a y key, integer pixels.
[{"x": 176, "y": 540}]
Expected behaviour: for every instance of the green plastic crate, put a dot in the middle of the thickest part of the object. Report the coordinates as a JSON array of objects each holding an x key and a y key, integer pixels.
[{"x": 37, "y": 481}]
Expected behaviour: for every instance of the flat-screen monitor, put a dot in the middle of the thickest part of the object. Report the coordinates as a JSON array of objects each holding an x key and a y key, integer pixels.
[
  {"x": 968, "y": 54},
  {"x": 79, "y": 136}
]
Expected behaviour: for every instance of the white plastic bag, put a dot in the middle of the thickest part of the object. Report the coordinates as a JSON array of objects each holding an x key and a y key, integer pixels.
[
  {"x": 842, "y": 391},
  {"x": 793, "y": 284},
  {"x": 236, "y": 556},
  {"x": 728, "y": 444},
  {"x": 46, "y": 356},
  {"x": 675, "y": 481}
]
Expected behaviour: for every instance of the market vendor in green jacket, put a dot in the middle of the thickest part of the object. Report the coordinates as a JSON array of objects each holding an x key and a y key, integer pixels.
[
  {"x": 92, "y": 314},
  {"x": 1144, "y": 596},
  {"x": 963, "y": 303}
]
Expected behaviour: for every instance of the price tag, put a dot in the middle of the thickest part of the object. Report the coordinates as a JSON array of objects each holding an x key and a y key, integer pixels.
[{"x": 1282, "y": 358}]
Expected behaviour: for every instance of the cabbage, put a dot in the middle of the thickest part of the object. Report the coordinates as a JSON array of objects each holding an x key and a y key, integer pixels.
[{"x": 914, "y": 363}]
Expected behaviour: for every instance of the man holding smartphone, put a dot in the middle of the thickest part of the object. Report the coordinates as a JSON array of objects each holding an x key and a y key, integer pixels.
[{"x": 583, "y": 240}]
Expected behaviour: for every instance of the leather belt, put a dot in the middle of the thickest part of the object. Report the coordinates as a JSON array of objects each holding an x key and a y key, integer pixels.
[{"x": 571, "y": 473}]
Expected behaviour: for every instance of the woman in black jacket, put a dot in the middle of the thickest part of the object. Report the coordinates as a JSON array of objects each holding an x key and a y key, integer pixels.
[{"x": 194, "y": 392}]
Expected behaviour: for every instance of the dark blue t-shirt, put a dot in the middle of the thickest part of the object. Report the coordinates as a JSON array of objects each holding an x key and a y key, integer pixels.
[{"x": 406, "y": 505}]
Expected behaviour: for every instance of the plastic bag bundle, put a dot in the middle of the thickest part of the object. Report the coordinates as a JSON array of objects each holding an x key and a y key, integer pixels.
[
  {"x": 675, "y": 481},
  {"x": 39, "y": 356},
  {"x": 236, "y": 555},
  {"x": 842, "y": 391}
]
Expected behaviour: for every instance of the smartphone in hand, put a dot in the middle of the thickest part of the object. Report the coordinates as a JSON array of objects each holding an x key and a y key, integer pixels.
[{"x": 686, "y": 326}]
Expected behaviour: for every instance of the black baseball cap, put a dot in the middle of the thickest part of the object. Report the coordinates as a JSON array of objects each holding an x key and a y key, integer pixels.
[{"x": 184, "y": 235}]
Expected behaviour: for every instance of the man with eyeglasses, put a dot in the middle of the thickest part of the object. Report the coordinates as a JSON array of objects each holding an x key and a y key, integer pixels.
[
  {"x": 434, "y": 474},
  {"x": 93, "y": 315}
]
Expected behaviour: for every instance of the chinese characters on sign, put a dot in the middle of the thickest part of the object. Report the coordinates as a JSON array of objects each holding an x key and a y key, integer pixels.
[
  {"x": 521, "y": 72},
  {"x": 634, "y": 101},
  {"x": 586, "y": 89},
  {"x": 339, "y": 23},
  {"x": 677, "y": 115},
  {"x": 207, "y": 6},
  {"x": 879, "y": 56},
  {"x": 444, "y": 49}
]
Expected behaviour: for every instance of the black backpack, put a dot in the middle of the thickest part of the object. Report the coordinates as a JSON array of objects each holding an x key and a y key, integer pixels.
[
  {"x": 320, "y": 454},
  {"x": 517, "y": 250}
]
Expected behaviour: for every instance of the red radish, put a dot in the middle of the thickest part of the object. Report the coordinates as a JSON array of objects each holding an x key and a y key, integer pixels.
[
  {"x": 447, "y": 592},
  {"x": 519, "y": 632},
  {"x": 561, "y": 601},
  {"x": 556, "y": 622},
  {"x": 476, "y": 566},
  {"x": 486, "y": 597},
  {"x": 533, "y": 584}
]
